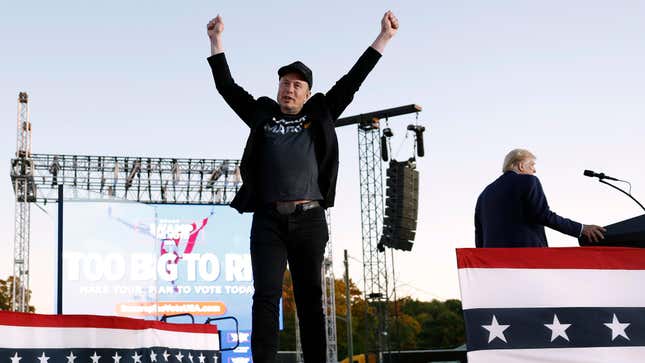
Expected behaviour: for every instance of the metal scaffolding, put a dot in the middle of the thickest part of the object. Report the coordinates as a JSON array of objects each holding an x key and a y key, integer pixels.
[
  {"x": 142, "y": 179},
  {"x": 329, "y": 298},
  {"x": 22, "y": 171},
  {"x": 375, "y": 272}
]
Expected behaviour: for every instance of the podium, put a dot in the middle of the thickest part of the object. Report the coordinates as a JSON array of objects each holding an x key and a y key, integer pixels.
[{"x": 627, "y": 233}]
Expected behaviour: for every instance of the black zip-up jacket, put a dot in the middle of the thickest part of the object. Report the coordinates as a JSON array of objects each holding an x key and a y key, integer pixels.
[{"x": 322, "y": 109}]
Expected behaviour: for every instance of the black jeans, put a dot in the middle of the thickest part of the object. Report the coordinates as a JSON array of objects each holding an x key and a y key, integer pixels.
[{"x": 300, "y": 239}]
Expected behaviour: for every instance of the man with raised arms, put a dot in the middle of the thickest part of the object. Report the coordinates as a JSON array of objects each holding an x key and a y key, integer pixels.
[{"x": 289, "y": 170}]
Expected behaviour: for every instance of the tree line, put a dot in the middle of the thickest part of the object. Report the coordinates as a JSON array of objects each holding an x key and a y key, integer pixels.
[
  {"x": 6, "y": 294},
  {"x": 412, "y": 324}
]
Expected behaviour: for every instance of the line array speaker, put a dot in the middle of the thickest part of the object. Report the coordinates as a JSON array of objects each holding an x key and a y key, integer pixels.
[{"x": 401, "y": 206}]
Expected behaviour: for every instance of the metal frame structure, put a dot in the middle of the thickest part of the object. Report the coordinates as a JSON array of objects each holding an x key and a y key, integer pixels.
[
  {"x": 329, "y": 297},
  {"x": 142, "y": 179},
  {"x": 299, "y": 357},
  {"x": 375, "y": 272},
  {"x": 22, "y": 171}
]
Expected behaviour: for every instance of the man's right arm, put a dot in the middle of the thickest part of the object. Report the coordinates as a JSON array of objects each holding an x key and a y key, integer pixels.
[
  {"x": 539, "y": 208},
  {"x": 539, "y": 211},
  {"x": 235, "y": 96}
]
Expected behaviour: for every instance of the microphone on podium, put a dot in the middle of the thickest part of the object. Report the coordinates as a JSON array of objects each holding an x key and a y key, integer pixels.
[{"x": 601, "y": 176}]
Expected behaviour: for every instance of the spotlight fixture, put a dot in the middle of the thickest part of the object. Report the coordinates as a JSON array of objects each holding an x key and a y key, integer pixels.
[
  {"x": 176, "y": 172},
  {"x": 136, "y": 167},
  {"x": 53, "y": 169},
  {"x": 216, "y": 174},
  {"x": 418, "y": 131},
  {"x": 387, "y": 133}
]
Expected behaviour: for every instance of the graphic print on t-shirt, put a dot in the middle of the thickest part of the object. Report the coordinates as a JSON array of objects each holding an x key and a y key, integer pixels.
[
  {"x": 283, "y": 126},
  {"x": 289, "y": 166}
]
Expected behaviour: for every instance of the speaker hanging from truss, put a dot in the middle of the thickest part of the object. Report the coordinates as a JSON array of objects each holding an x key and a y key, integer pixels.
[{"x": 401, "y": 206}]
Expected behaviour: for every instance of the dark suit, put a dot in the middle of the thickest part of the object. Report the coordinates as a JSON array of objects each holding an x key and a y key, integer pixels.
[{"x": 512, "y": 212}]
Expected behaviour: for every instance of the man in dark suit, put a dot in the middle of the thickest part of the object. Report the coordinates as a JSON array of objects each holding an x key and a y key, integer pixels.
[{"x": 512, "y": 211}]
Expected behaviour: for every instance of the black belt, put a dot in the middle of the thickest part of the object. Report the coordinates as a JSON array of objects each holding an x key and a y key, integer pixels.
[{"x": 286, "y": 208}]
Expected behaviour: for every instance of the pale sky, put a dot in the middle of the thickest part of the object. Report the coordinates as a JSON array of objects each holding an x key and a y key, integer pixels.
[{"x": 564, "y": 79}]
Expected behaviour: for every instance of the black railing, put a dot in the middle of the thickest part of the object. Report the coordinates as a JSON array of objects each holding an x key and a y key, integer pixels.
[
  {"x": 425, "y": 356},
  {"x": 408, "y": 356}
]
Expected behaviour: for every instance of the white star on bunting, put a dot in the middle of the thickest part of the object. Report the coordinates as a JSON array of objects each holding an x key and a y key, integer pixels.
[
  {"x": 495, "y": 330},
  {"x": 165, "y": 355},
  {"x": 153, "y": 356},
  {"x": 116, "y": 357},
  {"x": 95, "y": 358},
  {"x": 558, "y": 329},
  {"x": 201, "y": 358},
  {"x": 43, "y": 358},
  {"x": 190, "y": 357},
  {"x": 617, "y": 328},
  {"x": 71, "y": 357},
  {"x": 15, "y": 358},
  {"x": 136, "y": 357},
  {"x": 179, "y": 356}
]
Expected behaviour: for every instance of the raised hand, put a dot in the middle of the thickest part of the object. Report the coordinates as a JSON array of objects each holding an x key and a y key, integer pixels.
[
  {"x": 215, "y": 27},
  {"x": 389, "y": 24},
  {"x": 389, "y": 27}
]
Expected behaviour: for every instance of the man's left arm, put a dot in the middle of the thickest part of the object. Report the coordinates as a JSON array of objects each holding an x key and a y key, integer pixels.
[{"x": 342, "y": 93}]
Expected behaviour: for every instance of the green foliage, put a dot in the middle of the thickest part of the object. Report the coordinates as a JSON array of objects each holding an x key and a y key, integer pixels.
[
  {"x": 442, "y": 323},
  {"x": 6, "y": 294},
  {"x": 363, "y": 319},
  {"x": 413, "y": 324}
]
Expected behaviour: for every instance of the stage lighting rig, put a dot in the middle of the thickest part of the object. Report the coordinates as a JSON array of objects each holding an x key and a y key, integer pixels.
[
  {"x": 418, "y": 132},
  {"x": 53, "y": 170},
  {"x": 116, "y": 170},
  {"x": 176, "y": 172},
  {"x": 136, "y": 168},
  {"x": 164, "y": 188},
  {"x": 216, "y": 174},
  {"x": 387, "y": 134}
]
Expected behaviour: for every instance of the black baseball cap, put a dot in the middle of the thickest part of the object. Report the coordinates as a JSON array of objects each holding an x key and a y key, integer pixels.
[{"x": 300, "y": 68}]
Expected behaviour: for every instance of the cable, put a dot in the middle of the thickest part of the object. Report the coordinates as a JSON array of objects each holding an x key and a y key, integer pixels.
[
  {"x": 422, "y": 290},
  {"x": 401, "y": 145}
]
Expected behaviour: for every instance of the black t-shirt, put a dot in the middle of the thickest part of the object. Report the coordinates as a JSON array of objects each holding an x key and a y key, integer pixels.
[{"x": 289, "y": 167}]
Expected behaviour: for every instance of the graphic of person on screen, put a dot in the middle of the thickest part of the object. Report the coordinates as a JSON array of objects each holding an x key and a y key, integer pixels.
[
  {"x": 167, "y": 244},
  {"x": 171, "y": 245},
  {"x": 289, "y": 171}
]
